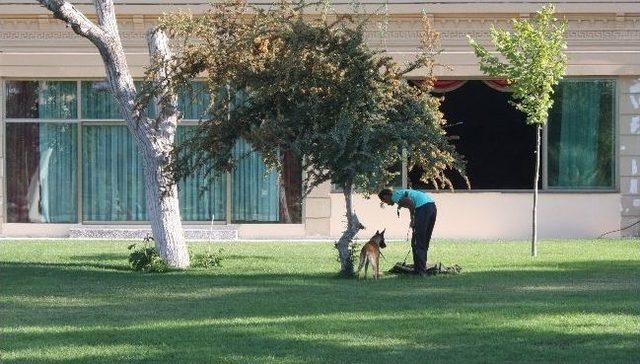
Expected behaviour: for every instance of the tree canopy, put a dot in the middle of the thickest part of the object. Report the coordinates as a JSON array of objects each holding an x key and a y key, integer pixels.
[
  {"x": 287, "y": 81},
  {"x": 309, "y": 85},
  {"x": 533, "y": 61}
]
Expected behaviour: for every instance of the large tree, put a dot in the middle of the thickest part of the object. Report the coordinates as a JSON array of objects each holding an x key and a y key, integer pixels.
[
  {"x": 154, "y": 137},
  {"x": 309, "y": 86},
  {"x": 533, "y": 62}
]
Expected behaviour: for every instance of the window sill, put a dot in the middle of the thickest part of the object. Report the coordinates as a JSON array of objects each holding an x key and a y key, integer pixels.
[{"x": 548, "y": 191}]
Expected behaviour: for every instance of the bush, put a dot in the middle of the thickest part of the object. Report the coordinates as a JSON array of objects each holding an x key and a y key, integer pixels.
[
  {"x": 209, "y": 259},
  {"x": 145, "y": 258},
  {"x": 354, "y": 256}
]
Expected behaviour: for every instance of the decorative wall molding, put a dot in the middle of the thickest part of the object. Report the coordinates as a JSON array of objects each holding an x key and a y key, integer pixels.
[
  {"x": 59, "y": 35},
  {"x": 403, "y": 31},
  {"x": 453, "y": 31}
]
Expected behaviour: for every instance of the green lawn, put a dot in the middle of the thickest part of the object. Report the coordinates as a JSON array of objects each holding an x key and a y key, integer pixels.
[{"x": 579, "y": 301}]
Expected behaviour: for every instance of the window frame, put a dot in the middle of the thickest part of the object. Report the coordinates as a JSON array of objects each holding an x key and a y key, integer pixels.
[
  {"x": 544, "y": 160},
  {"x": 80, "y": 122},
  {"x": 3, "y": 123},
  {"x": 615, "y": 155}
]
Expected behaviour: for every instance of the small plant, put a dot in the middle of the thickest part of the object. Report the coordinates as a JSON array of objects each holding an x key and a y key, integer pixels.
[
  {"x": 532, "y": 60},
  {"x": 210, "y": 259},
  {"x": 145, "y": 258},
  {"x": 354, "y": 251}
]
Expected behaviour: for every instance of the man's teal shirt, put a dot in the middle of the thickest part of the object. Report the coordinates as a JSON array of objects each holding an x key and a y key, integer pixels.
[{"x": 418, "y": 198}]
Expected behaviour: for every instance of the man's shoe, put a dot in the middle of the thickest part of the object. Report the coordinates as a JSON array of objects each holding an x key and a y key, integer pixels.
[
  {"x": 423, "y": 273},
  {"x": 430, "y": 270}
]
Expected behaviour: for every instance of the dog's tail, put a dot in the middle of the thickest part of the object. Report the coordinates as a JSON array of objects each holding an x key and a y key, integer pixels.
[{"x": 363, "y": 258}]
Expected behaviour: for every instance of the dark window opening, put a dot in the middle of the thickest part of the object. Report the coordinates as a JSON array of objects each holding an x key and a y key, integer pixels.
[{"x": 491, "y": 135}]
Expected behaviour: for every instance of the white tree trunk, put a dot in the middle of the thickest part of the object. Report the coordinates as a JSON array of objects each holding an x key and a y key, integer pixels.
[
  {"x": 154, "y": 138},
  {"x": 536, "y": 177},
  {"x": 353, "y": 227},
  {"x": 164, "y": 214},
  {"x": 161, "y": 190}
]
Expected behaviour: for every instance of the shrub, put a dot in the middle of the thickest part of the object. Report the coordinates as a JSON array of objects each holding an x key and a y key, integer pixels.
[
  {"x": 145, "y": 258},
  {"x": 209, "y": 259},
  {"x": 354, "y": 255}
]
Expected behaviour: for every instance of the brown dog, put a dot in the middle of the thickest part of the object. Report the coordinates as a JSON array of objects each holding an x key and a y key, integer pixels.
[{"x": 370, "y": 254}]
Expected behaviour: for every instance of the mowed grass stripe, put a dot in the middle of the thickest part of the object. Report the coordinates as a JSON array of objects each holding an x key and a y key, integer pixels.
[{"x": 279, "y": 302}]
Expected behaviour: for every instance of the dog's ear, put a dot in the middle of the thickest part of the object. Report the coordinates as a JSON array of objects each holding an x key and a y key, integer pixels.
[
  {"x": 382, "y": 233},
  {"x": 377, "y": 232}
]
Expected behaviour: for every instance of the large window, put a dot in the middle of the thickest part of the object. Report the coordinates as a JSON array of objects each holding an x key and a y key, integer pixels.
[
  {"x": 41, "y": 100},
  {"x": 112, "y": 175},
  {"x": 492, "y": 136},
  {"x": 56, "y": 154},
  {"x": 255, "y": 190},
  {"x": 41, "y": 151},
  {"x": 41, "y": 165},
  {"x": 98, "y": 105},
  {"x": 582, "y": 135},
  {"x": 202, "y": 198},
  {"x": 498, "y": 145}
]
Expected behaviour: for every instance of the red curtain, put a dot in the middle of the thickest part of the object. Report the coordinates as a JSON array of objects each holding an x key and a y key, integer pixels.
[
  {"x": 498, "y": 85},
  {"x": 442, "y": 86}
]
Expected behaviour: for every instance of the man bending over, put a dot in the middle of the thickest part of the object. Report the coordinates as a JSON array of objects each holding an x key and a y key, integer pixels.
[{"x": 423, "y": 218}]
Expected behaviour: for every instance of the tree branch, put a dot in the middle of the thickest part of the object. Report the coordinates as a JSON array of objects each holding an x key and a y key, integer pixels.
[
  {"x": 101, "y": 86},
  {"x": 165, "y": 98},
  {"x": 80, "y": 24},
  {"x": 106, "y": 38},
  {"x": 107, "y": 16}
]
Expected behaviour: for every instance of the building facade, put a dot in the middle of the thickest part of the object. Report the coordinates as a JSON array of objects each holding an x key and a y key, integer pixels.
[{"x": 67, "y": 163}]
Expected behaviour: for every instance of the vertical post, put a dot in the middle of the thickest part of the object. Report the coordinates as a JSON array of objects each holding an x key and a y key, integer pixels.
[
  {"x": 284, "y": 202},
  {"x": 79, "y": 150},
  {"x": 229, "y": 198},
  {"x": 405, "y": 172},
  {"x": 545, "y": 157},
  {"x": 303, "y": 208},
  {"x": 3, "y": 160},
  {"x": 229, "y": 177},
  {"x": 534, "y": 225}
]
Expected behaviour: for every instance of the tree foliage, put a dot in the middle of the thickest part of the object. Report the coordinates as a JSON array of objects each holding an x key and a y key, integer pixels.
[
  {"x": 308, "y": 85},
  {"x": 534, "y": 61},
  {"x": 154, "y": 137},
  {"x": 534, "y": 64}
]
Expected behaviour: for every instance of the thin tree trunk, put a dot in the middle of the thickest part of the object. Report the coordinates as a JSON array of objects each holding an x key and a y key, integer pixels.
[
  {"x": 353, "y": 227},
  {"x": 284, "y": 205},
  {"x": 154, "y": 138},
  {"x": 534, "y": 224},
  {"x": 286, "y": 215}
]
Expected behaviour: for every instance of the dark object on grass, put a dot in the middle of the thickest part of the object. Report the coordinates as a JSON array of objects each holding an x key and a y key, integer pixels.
[
  {"x": 432, "y": 269},
  {"x": 145, "y": 258}
]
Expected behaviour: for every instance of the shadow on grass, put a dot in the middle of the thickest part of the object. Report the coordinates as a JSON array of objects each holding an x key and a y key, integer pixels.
[
  {"x": 500, "y": 315},
  {"x": 120, "y": 261},
  {"x": 119, "y": 266},
  {"x": 104, "y": 256},
  {"x": 243, "y": 257},
  {"x": 115, "y": 260}
]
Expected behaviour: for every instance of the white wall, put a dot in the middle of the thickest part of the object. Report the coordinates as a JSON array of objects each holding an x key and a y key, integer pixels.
[{"x": 492, "y": 215}]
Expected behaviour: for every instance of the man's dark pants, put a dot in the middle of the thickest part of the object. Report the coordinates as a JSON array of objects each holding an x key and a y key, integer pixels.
[{"x": 424, "y": 220}]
